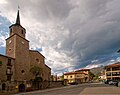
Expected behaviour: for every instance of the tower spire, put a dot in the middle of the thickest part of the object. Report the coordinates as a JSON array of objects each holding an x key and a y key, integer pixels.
[{"x": 18, "y": 18}]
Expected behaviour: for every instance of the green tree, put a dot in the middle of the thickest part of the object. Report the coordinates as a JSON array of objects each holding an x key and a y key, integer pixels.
[
  {"x": 36, "y": 71},
  {"x": 91, "y": 75}
]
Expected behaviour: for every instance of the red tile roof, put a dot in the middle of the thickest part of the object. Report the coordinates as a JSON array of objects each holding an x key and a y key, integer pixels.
[
  {"x": 113, "y": 65},
  {"x": 70, "y": 73}
]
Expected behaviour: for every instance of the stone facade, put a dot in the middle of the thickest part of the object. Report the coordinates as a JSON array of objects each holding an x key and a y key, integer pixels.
[
  {"x": 6, "y": 68},
  {"x": 19, "y": 49},
  {"x": 37, "y": 59},
  {"x": 22, "y": 59}
]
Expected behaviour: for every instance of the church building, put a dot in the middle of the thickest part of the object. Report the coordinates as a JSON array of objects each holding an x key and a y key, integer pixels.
[{"x": 18, "y": 61}]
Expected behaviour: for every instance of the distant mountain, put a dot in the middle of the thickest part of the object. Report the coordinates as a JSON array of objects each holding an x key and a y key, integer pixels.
[
  {"x": 93, "y": 65},
  {"x": 97, "y": 70}
]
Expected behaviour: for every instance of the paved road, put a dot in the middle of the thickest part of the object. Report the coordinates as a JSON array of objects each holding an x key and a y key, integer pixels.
[{"x": 81, "y": 89}]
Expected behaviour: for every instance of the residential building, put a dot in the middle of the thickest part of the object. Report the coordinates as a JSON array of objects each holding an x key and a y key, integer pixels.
[
  {"x": 113, "y": 71},
  {"x": 78, "y": 76},
  {"x": 60, "y": 78}
]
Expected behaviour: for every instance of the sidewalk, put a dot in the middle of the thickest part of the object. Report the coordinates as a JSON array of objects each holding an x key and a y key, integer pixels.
[{"x": 112, "y": 90}]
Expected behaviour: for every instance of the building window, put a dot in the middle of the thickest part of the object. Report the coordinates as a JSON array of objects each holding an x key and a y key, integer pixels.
[
  {"x": 22, "y": 31},
  {"x": 78, "y": 75},
  {"x": 108, "y": 74},
  {"x": 108, "y": 69},
  {"x": 37, "y": 60},
  {"x": 118, "y": 73},
  {"x": 70, "y": 76},
  {"x": 9, "y": 62},
  {"x": 115, "y": 68},
  {"x": 23, "y": 72},
  {"x": 8, "y": 77},
  {"x": 0, "y": 63},
  {"x": 11, "y": 30}
]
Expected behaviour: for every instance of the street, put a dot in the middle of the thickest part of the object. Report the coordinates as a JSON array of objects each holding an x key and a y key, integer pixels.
[{"x": 81, "y": 89}]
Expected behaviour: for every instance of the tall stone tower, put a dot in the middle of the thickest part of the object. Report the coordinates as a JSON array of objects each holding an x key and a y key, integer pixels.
[{"x": 18, "y": 47}]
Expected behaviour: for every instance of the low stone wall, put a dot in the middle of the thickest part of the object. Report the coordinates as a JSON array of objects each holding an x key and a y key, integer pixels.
[
  {"x": 47, "y": 84},
  {"x": 56, "y": 84},
  {"x": 13, "y": 87}
]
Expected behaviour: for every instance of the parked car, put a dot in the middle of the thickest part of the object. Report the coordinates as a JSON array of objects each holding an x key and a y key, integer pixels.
[
  {"x": 107, "y": 81},
  {"x": 113, "y": 82},
  {"x": 73, "y": 83}
]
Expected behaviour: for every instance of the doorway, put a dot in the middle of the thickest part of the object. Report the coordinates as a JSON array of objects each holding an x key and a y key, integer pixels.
[
  {"x": 3, "y": 86},
  {"x": 21, "y": 88}
]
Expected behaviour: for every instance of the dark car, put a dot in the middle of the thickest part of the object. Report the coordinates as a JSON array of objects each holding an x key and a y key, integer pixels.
[
  {"x": 73, "y": 83},
  {"x": 107, "y": 81}
]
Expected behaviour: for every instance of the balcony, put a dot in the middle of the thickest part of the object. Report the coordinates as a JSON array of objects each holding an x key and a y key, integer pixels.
[
  {"x": 116, "y": 75},
  {"x": 108, "y": 75},
  {"x": 115, "y": 69},
  {"x": 9, "y": 73}
]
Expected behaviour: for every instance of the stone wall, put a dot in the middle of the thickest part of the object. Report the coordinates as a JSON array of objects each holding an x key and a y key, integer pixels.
[
  {"x": 56, "y": 84},
  {"x": 13, "y": 87},
  {"x": 4, "y": 66}
]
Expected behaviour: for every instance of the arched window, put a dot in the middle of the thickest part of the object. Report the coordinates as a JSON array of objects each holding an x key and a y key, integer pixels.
[
  {"x": 22, "y": 32},
  {"x": 11, "y": 30},
  {"x": 37, "y": 60}
]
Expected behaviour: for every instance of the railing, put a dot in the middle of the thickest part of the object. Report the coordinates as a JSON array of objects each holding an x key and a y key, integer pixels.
[
  {"x": 9, "y": 73},
  {"x": 115, "y": 74},
  {"x": 9, "y": 64},
  {"x": 108, "y": 75}
]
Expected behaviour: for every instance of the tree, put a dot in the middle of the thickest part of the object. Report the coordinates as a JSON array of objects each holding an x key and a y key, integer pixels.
[
  {"x": 91, "y": 75},
  {"x": 37, "y": 82},
  {"x": 36, "y": 71}
]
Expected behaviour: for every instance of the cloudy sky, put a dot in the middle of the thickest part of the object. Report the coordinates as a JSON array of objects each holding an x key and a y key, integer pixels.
[{"x": 71, "y": 34}]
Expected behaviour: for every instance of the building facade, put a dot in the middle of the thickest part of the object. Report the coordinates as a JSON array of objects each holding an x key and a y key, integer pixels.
[
  {"x": 113, "y": 71},
  {"x": 16, "y": 64},
  {"x": 6, "y": 68},
  {"x": 78, "y": 76}
]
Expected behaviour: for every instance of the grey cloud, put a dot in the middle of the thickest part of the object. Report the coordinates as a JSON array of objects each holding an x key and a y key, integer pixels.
[
  {"x": 81, "y": 30},
  {"x": 42, "y": 10},
  {"x": 98, "y": 35}
]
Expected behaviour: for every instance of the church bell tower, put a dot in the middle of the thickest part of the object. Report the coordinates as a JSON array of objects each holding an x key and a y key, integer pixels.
[{"x": 17, "y": 46}]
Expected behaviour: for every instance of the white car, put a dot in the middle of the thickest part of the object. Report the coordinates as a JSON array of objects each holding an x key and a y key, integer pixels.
[{"x": 113, "y": 82}]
